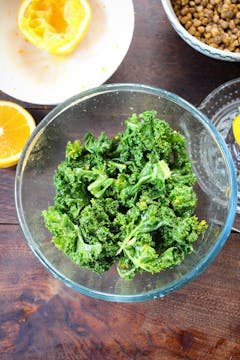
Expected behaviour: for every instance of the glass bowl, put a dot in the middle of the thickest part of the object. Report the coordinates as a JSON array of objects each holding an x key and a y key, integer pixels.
[
  {"x": 105, "y": 108},
  {"x": 221, "y": 106}
]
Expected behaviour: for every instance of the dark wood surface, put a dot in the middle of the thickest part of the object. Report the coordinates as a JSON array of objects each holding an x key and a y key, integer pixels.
[{"x": 42, "y": 319}]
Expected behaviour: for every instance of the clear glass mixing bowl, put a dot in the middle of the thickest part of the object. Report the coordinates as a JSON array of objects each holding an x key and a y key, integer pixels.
[{"x": 105, "y": 108}]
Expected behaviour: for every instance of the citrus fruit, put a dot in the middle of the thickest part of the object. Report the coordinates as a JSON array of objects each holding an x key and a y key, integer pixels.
[
  {"x": 56, "y": 26},
  {"x": 16, "y": 125},
  {"x": 236, "y": 128}
]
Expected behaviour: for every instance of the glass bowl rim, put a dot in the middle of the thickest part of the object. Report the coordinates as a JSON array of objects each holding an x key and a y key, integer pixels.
[
  {"x": 192, "y": 274},
  {"x": 216, "y": 91}
]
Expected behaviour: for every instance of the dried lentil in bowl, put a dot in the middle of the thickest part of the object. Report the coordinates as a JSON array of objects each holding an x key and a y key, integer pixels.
[{"x": 214, "y": 22}]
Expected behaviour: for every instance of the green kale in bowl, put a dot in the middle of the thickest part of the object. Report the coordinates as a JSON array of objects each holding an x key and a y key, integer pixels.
[{"x": 128, "y": 200}]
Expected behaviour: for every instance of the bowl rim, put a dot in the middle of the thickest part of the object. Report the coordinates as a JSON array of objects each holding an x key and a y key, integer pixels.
[
  {"x": 216, "y": 91},
  {"x": 174, "y": 285},
  {"x": 192, "y": 40}
]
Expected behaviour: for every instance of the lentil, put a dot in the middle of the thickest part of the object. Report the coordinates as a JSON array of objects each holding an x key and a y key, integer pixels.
[{"x": 214, "y": 22}]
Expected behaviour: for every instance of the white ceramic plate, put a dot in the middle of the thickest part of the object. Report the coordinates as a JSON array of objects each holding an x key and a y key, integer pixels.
[{"x": 31, "y": 75}]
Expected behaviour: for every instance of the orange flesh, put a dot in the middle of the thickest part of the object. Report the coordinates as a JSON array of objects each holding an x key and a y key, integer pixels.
[
  {"x": 52, "y": 13},
  {"x": 56, "y": 26},
  {"x": 14, "y": 131}
]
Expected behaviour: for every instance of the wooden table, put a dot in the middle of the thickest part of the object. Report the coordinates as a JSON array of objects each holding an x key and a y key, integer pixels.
[{"x": 42, "y": 319}]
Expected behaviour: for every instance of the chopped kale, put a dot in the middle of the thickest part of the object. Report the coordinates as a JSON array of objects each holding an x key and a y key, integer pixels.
[{"x": 129, "y": 200}]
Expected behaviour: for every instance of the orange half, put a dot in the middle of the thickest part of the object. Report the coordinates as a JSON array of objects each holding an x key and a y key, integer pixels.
[
  {"x": 16, "y": 126},
  {"x": 56, "y": 26}
]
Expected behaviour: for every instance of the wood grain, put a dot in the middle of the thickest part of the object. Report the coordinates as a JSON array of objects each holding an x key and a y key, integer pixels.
[
  {"x": 43, "y": 319},
  {"x": 40, "y": 318},
  {"x": 159, "y": 57}
]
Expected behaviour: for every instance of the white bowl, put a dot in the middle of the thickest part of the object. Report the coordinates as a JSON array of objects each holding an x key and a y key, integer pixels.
[{"x": 194, "y": 42}]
